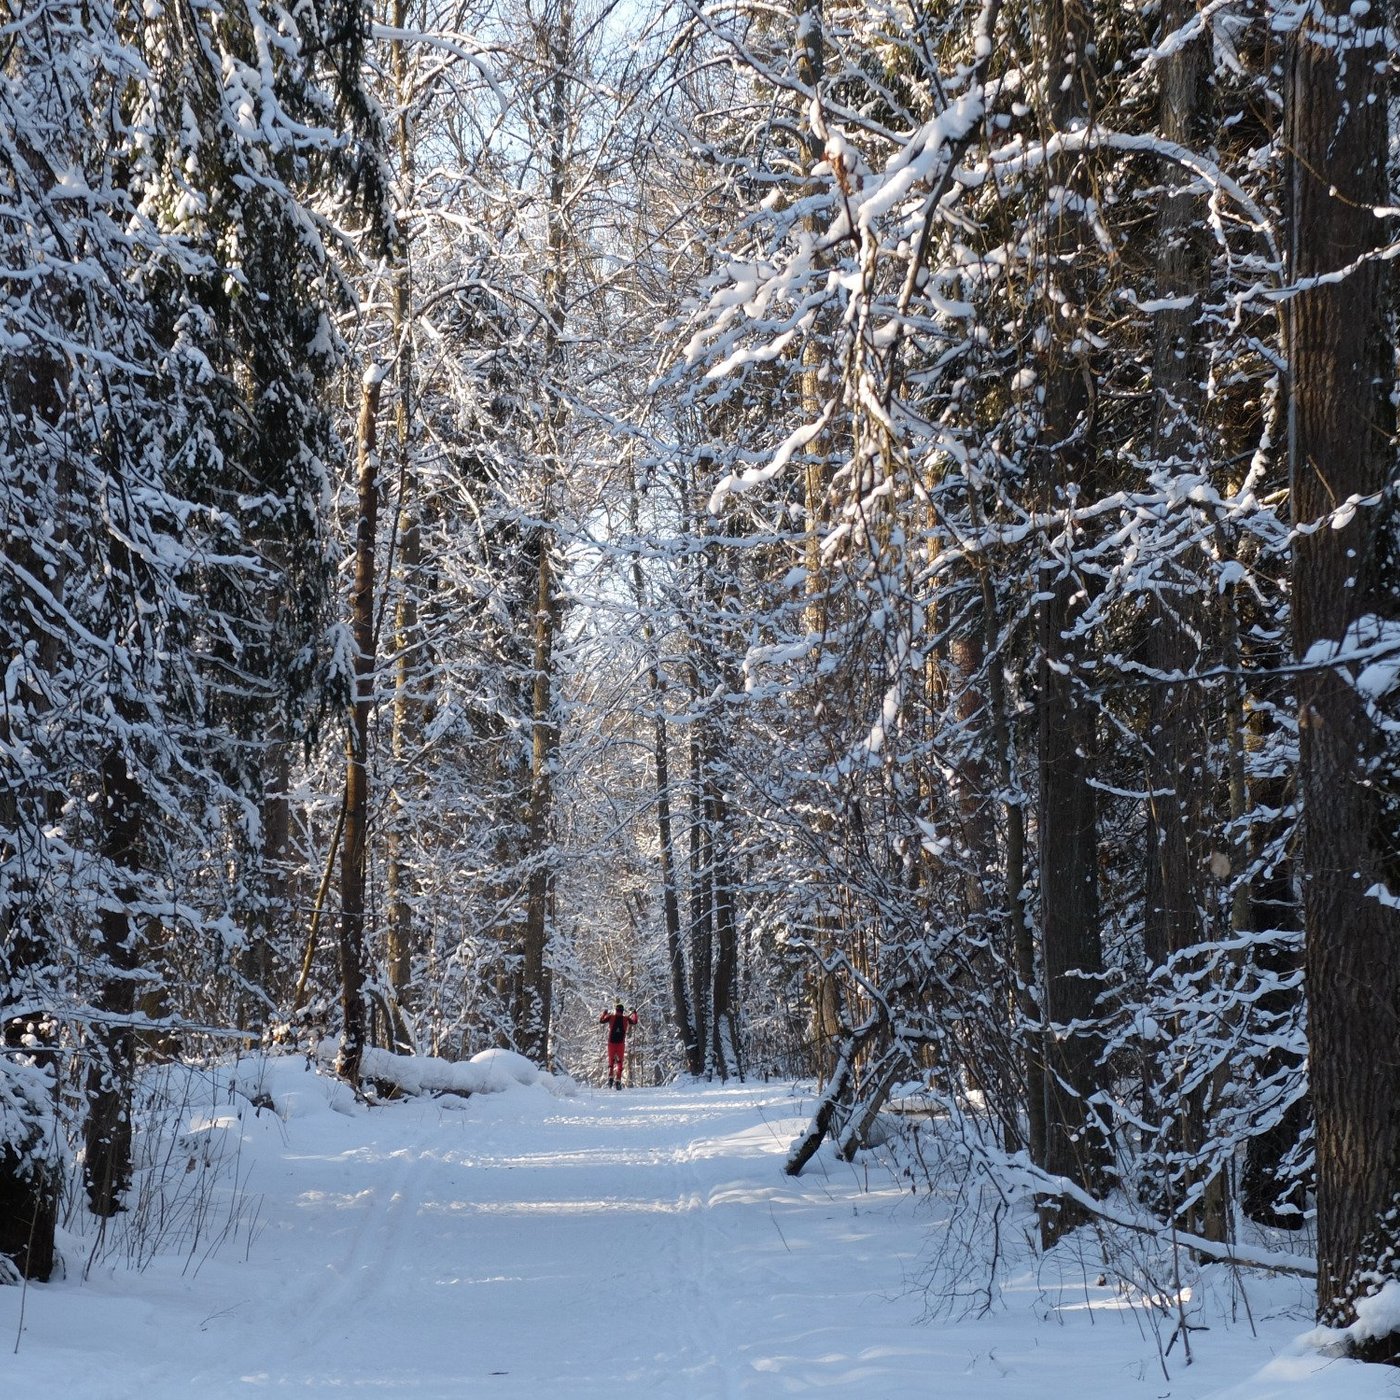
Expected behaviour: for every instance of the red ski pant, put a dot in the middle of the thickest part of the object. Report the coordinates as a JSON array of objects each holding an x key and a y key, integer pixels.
[{"x": 617, "y": 1050}]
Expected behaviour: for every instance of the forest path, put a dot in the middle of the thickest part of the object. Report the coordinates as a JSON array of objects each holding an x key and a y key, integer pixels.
[
  {"x": 612, "y": 1244},
  {"x": 643, "y": 1243}
]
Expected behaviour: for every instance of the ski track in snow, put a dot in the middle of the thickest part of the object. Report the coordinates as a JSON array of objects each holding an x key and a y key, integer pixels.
[{"x": 637, "y": 1244}]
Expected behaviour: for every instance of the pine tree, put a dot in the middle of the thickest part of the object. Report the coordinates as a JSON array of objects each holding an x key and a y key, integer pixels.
[{"x": 1344, "y": 600}]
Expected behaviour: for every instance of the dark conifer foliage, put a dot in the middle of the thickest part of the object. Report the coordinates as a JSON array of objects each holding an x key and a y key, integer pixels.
[{"x": 166, "y": 588}]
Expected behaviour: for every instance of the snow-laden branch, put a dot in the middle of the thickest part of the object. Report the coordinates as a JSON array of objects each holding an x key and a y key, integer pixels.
[
  {"x": 1020, "y": 158},
  {"x": 1018, "y": 1170},
  {"x": 755, "y": 476}
]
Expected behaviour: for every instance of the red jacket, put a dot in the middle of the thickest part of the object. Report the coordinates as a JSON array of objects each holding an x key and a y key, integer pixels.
[{"x": 618, "y": 1024}]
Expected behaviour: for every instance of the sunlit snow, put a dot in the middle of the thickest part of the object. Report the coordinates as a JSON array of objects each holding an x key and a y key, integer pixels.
[{"x": 600, "y": 1244}]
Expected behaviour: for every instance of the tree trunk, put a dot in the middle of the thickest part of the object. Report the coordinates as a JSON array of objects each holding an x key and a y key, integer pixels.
[
  {"x": 827, "y": 993},
  {"x": 354, "y": 852},
  {"x": 830, "y": 1104},
  {"x": 111, "y": 1069},
  {"x": 701, "y": 907},
  {"x": 29, "y": 1189},
  {"x": 272, "y": 912},
  {"x": 1069, "y": 903},
  {"x": 398, "y": 878},
  {"x": 555, "y": 36},
  {"x": 810, "y": 64},
  {"x": 533, "y": 1012},
  {"x": 1019, "y": 933},
  {"x": 1177, "y": 770},
  {"x": 1073, "y": 958},
  {"x": 670, "y": 900},
  {"x": 34, "y": 388},
  {"x": 1266, "y": 1195},
  {"x": 29, "y": 1152},
  {"x": 990, "y": 966},
  {"x": 1344, "y": 585},
  {"x": 723, "y": 1001}
]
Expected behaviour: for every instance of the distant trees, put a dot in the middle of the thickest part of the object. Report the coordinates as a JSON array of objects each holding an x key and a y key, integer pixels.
[{"x": 494, "y": 316}]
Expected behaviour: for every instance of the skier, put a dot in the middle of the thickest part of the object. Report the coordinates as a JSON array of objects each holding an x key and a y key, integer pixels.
[{"x": 618, "y": 1022}]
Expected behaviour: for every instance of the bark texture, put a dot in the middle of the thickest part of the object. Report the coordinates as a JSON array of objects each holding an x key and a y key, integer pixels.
[
  {"x": 408, "y": 644},
  {"x": 1177, "y": 780},
  {"x": 354, "y": 852},
  {"x": 1344, "y": 583},
  {"x": 107, "y": 1131},
  {"x": 1071, "y": 951},
  {"x": 557, "y": 44}
]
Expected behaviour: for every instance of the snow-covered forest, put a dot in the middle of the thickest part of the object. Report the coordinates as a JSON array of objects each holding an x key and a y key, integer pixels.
[{"x": 864, "y": 531}]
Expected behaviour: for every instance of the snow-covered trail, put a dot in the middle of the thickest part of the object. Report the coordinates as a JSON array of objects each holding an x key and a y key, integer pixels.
[
  {"x": 517, "y": 1245},
  {"x": 609, "y": 1244}
]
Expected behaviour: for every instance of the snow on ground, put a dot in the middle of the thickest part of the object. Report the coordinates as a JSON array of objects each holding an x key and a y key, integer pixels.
[{"x": 551, "y": 1242}]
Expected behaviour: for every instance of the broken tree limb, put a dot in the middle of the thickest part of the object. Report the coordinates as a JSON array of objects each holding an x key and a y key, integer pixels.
[{"x": 830, "y": 1101}]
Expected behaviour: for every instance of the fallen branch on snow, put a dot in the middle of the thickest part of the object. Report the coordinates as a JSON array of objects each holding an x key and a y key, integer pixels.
[
  {"x": 490, "y": 1072},
  {"x": 1140, "y": 1222}
]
